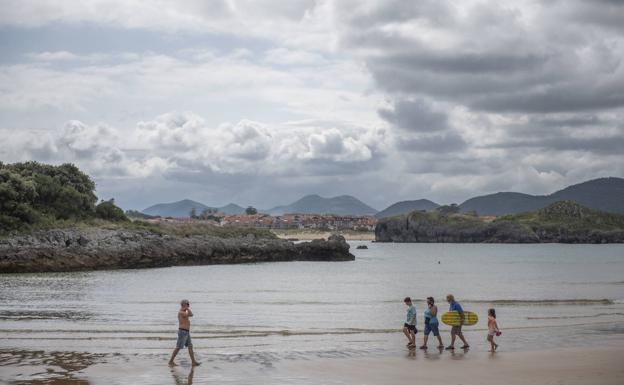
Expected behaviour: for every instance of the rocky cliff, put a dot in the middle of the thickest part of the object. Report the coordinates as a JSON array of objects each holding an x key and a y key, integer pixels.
[
  {"x": 99, "y": 249},
  {"x": 560, "y": 222}
]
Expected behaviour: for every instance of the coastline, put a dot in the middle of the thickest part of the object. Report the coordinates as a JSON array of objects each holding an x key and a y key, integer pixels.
[
  {"x": 303, "y": 235},
  {"x": 107, "y": 249},
  {"x": 597, "y": 366}
]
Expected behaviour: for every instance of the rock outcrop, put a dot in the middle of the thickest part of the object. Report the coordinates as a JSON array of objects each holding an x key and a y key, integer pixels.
[
  {"x": 560, "y": 222},
  {"x": 100, "y": 249}
]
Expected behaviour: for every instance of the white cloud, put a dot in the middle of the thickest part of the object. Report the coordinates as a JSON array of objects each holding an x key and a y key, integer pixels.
[
  {"x": 295, "y": 23},
  {"x": 426, "y": 99}
]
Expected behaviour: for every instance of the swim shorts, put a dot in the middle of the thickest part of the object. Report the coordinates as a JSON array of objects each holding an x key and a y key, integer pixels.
[
  {"x": 184, "y": 339},
  {"x": 411, "y": 327},
  {"x": 432, "y": 328}
]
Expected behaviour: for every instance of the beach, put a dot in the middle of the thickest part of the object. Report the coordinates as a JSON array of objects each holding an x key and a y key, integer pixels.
[
  {"x": 561, "y": 309},
  {"x": 582, "y": 366},
  {"x": 309, "y": 235},
  {"x": 563, "y": 366}
]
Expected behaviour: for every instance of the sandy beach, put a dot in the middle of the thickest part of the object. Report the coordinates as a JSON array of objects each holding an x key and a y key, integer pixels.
[
  {"x": 565, "y": 366},
  {"x": 557, "y": 366},
  {"x": 311, "y": 235}
]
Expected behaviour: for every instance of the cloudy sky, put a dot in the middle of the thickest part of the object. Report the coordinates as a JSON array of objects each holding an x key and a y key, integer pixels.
[{"x": 260, "y": 102}]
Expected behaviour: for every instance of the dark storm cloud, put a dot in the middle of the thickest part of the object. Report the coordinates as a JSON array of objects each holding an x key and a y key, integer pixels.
[
  {"x": 437, "y": 143},
  {"x": 578, "y": 120},
  {"x": 415, "y": 115},
  {"x": 600, "y": 13},
  {"x": 603, "y": 145},
  {"x": 491, "y": 60},
  {"x": 453, "y": 165}
]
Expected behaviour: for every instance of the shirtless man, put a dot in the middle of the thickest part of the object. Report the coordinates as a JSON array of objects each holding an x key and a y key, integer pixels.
[{"x": 184, "y": 332}]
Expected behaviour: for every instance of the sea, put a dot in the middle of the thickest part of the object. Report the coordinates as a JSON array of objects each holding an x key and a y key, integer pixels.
[{"x": 545, "y": 296}]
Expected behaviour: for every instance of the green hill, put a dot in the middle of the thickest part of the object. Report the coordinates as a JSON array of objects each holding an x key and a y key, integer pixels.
[
  {"x": 315, "y": 204},
  {"x": 564, "y": 222},
  {"x": 606, "y": 194},
  {"x": 182, "y": 209},
  {"x": 405, "y": 207}
]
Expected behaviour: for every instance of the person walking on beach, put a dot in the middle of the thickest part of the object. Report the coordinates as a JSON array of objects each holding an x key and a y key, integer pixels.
[
  {"x": 431, "y": 323},
  {"x": 184, "y": 332},
  {"x": 456, "y": 331},
  {"x": 409, "y": 327},
  {"x": 493, "y": 329}
]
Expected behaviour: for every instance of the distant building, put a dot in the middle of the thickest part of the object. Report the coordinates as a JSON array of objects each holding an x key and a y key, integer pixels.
[{"x": 302, "y": 221}]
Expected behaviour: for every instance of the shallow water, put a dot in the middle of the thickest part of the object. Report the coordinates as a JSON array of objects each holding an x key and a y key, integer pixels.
[{"x": 545, "y": 296}]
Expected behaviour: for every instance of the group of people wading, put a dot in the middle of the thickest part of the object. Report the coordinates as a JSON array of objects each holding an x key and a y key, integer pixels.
[
  {"x": 432, "y": 323},
  {"x": 409, "y": 328}
]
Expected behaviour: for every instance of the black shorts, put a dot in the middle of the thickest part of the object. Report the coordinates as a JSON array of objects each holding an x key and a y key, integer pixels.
[{"x": 411, "y": 328}]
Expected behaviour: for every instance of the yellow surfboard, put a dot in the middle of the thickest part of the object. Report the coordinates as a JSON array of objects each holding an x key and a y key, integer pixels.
[{"x": 451, "y": 318}]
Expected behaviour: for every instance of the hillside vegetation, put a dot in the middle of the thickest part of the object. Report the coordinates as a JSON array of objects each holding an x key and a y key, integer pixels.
[
  {"x": 605, "y": 194},
  {"x": 35, "y": 195},
  {"x": 565, "y": 222}
]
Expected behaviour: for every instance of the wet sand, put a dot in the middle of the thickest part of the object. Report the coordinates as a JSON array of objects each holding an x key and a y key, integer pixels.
[
  {"x": 565, "y": 366},
  {"x": 560, "y": 366}
]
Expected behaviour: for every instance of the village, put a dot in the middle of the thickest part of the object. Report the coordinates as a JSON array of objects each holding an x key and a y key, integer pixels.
[
  {"x": 290, "y": 221},
  {"x": 302, "y": 221}
]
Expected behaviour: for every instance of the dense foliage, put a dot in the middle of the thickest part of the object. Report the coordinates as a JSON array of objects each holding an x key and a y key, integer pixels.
[
  {"x": 134, "y": 214},
  {"x": 565, "y": 221},
  {"x": 108, "y": 211},
  {"x": 33, "y": 194}
]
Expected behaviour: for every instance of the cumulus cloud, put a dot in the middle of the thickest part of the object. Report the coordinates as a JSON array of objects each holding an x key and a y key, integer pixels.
[
  {"x": 178, "y": 140},
  {"x": 464, "y": 55},
  {"x": 432, "y": 99}
]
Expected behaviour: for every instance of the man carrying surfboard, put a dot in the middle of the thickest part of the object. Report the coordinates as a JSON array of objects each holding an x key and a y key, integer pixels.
[{"x": 456, "y": 331}]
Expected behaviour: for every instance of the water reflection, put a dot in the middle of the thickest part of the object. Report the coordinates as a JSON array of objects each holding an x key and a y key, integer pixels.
[{"x": 182, "y": 379}]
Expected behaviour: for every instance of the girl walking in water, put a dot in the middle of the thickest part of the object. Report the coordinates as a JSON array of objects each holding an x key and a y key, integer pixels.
[
  {"x": 431, "y": 323},
  {"x": 493, "y": 329}
]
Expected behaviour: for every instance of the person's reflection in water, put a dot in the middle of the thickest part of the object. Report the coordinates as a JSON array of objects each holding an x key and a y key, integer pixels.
[{"x": 180, "y": 379}]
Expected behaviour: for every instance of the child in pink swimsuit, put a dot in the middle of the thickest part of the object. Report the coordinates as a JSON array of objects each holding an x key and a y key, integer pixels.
[{"x": 493, "y": 329}]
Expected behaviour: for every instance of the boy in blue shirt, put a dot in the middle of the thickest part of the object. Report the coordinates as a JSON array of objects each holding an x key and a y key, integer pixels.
[
  {"x": 456, "y": 330},
  {"x": 409, "y": 327}
]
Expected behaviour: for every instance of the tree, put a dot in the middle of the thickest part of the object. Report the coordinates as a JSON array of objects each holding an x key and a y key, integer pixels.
[
  {"x": 109, "y": 211},
  {"x": 251, "y": 211},
  {"x": 448, "y": 209},
  {"x": 193, "y": 213},
  {"x": 33, "y": 193},
  {"x": 16, "y": 194}
]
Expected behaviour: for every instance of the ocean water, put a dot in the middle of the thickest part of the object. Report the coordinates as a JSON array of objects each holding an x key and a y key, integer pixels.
[{"x": 545, "y": 296}]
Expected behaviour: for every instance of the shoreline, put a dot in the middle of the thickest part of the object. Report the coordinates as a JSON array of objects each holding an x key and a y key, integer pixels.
[
  {"x": 108, "y": 249},
  {"x": 596, "y": 366},
  {"x": 314, "y": 235}
]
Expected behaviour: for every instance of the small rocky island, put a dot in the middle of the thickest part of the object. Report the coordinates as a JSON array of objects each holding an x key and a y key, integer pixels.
[
  {"x": 560, "y": 222},
  {"x": 99, "y": 248}
]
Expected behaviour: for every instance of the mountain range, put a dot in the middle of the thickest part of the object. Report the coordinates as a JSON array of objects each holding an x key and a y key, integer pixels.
[
  {"x": 407, "y": 207},
  {"x": 315, "y": 204},
  {"x": 183, "y": 209},
  {"x": 606, "y": 194}
]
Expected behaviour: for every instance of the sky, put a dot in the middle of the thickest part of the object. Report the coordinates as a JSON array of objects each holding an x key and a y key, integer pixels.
[{"x": 262, "y": 102}]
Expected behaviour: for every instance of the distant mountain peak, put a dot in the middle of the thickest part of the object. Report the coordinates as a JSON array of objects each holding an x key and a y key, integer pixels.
[
  {"x": 605, "y": 194},
  {"x": 316, "y": 204},
  {"x": 405, "y": 207},
  {"x": 182, "y": 209}
]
